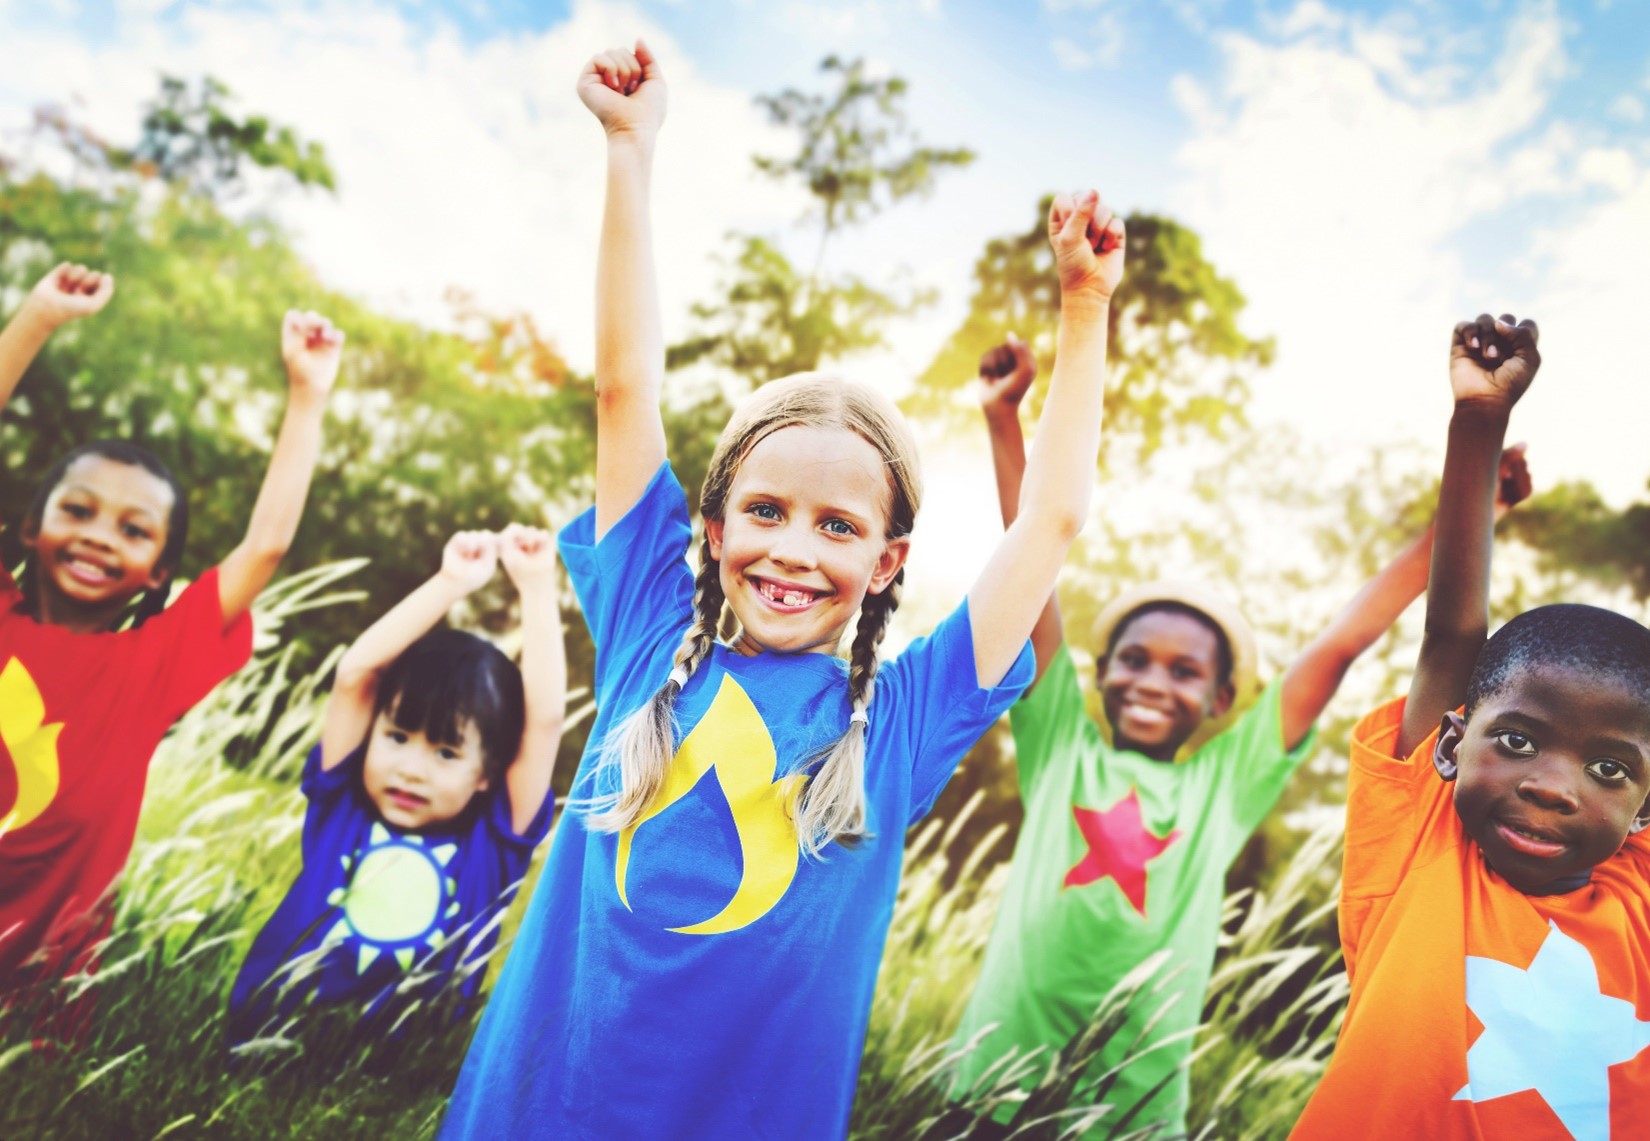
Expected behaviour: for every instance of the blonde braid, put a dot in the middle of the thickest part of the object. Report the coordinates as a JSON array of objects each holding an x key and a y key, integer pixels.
[
  {"x": 834, "y": 806},
  {"x": 644, "y": 743}
]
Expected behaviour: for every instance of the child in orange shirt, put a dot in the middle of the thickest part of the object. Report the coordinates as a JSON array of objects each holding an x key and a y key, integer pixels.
[{"x": 1495, "y": 909}]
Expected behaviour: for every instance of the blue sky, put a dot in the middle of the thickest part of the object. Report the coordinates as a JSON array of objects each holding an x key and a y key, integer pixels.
[{"x": 1367, "y": 173}]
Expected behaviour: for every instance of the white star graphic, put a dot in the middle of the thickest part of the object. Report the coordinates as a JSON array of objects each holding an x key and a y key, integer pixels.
[{"x": 1549, "y": 1029}]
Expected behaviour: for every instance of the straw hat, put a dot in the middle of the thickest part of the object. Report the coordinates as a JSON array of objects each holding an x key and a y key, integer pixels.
[{"x": 1218, "y": 610}]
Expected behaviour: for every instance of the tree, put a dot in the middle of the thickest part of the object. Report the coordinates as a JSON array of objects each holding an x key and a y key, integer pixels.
[
  {"x": 855, "y": 156},
  {"x": 1179, "y": 365}
]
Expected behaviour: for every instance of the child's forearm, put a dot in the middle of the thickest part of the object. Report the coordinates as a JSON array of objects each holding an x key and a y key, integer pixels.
[
  {"x": 279, "y": 507},
  {"x": 1011, "y": 598},
  {"x": 630, "y": 355},
  {"x": 20, "y": 342},
  {"x": 401, "y": 626},
  {"x": 1059, "y": 476},
  {"x": 544, "y": 678},
  {"x": 1458, "y": 578},
  {"x": 1008, "y": 460},
  {"x": 1313, "y": 677},
  {"x": 1008, "y": 457}
]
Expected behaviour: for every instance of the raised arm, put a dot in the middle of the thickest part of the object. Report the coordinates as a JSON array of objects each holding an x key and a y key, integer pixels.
[
  {"x": 1491, "y": 363},
  {"x": 626, "y": 92},
  {"x": 1013, "y": 590},
  {"x": 311, "y": 348},
  {"x": 467, "y": 562},
  {"x": 1314, "y": 676},
  {"x": 1006, "y": 373},
  {"x": 529, "y": 558},
  {"x": 67, "y": 293}
]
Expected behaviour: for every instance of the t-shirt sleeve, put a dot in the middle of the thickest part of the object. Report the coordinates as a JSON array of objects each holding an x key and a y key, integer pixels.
[
  {"x": 634, "y": 586},
  {"x": 501, "y": 820},
  {"x": 326, "y": 790},
  {"x": 187, "y": 650},
  {"x": 1051, "y": 723},
  {"x": 1251, "y": 767},
  {"x": 1391, "y": 803},
  {"x": 938, "y": 706}
]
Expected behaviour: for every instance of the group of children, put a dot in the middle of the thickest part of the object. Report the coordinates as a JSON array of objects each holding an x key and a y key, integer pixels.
[{"x": 699, "y": 957}]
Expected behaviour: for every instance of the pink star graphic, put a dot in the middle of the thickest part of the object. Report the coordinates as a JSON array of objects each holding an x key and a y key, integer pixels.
[{"x": 1119, "y": 847}]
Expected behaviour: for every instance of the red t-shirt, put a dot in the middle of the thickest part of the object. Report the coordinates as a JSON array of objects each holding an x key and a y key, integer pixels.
[
  {"x": 80, "y": 716},
  {"x": 1478, "y": 1011}
]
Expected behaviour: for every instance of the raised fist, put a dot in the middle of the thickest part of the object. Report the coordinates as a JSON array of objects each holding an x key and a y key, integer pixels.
[
  {"x": 70, "y": 292},
  {"x": 1492, "y": 362},
  {"x": 469, "y": 559},
  {"x": 1512, "y": 481},
  {"x": 311, "y": 348},
  {"x": 625, "y": 90},
  {"x": 1088, "y": 244},
  {"x": 1006, "y": 373},
  {"x": 528, "y": 555}
]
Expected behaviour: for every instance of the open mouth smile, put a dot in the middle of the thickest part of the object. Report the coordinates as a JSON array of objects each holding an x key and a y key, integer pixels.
[
  {"x": 88, "y": 571},
  {"x": 1145, "y": 715},
  {"x": 1534, "y": 842},
  {"x": 786, "y": 597}
]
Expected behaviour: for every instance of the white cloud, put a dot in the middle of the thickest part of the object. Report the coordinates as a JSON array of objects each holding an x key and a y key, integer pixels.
[
  {"x": 467, "y": 164},
  {"x": 1628, "y": 108},
  {"x": 1346, "y": 183}
]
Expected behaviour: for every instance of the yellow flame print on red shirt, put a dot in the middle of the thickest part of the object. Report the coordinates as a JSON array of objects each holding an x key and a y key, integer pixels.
[
  {"x": 31, "y": 743},
  {"x": 732, "y": 740}
]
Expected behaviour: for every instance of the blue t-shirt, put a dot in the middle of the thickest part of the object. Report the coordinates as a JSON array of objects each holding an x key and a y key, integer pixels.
[
  {"x": 380, "y": 917},
  {"x": 693, "y": 977}
]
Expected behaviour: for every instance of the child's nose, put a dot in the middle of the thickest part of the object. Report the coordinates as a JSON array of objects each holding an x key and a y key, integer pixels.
[
  {"x": 793, "y": 547},
  {"x": 1549, "y": 786}
]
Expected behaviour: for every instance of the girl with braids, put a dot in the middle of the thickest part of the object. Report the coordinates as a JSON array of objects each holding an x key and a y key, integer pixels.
[
  {"x": 84, "y": 701},
  {"x": 699, "y": 958}
]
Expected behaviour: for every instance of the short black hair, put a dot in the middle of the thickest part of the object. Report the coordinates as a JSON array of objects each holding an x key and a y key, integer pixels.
[
  {"x": 1223, "y": 645},
  {"x": 150, "y": 601},
  {"x": 1585, "y": 638},
  {"x": 448, "y": 677}
]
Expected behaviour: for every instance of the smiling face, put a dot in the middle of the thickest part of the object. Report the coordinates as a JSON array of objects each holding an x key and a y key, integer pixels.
[
  {"x": 803, "y": 538},
  {"x": 99, "y": 540},
  {"x": 1160, "y": 681},
  {"x": 415, "y": 782},
  {"x": 1550, "y": 772}
]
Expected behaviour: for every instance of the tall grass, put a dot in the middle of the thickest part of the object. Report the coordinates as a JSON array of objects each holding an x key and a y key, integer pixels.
[{"x": 219, "y": 843}]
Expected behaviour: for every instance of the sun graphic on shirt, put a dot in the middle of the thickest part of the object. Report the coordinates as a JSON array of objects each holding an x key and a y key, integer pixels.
[{"x": 397, "y": 895}]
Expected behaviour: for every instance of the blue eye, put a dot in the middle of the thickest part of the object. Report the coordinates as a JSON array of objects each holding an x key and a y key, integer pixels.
[
  {"x": 840, "y": 527},
  {"x": 763, "y": 511}
]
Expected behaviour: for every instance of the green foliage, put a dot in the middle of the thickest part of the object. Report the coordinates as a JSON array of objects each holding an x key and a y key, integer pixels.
[
  {"x": 1576, "y": 531},
  {"x": 855, "y": 153},
  {"x": 772, "y": 321},
  {"x": 1178, "y": 364},
  {"x": 429, "y": 432},
  {"x": 191, "y": 138},
  {"x": 856, "y": 156}
]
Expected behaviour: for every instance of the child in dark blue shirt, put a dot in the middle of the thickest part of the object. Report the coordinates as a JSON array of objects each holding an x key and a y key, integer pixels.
[{"x": 427, "y": 794}]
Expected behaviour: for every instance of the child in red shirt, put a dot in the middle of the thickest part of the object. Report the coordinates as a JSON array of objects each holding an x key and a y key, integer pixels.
[
  {"x": 82, "y": 703},
  {"x": 1495, "y": 909}
]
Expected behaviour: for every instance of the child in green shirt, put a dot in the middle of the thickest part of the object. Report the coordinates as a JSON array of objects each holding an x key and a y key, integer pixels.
[{"x": 1123, "y": 853}]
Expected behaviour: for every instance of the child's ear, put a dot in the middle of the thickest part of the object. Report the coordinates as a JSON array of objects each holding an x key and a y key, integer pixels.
[
  {"x": 29, "y": 533},
  {"x": 1642, "y": 820},
  {"x": 893, "y": 558},
  {"x": 713, "y": 532},
  {"x": 483, "y": 784},
  {"x": 157, "y": 578},
  {"x": 1449, "y": 742},
  {"x": 1225, "y": 694}
]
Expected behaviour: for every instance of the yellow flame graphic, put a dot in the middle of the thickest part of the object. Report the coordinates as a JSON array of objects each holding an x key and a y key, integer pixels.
[
  {"x": 732, "y": 739},
  {"x": 32, "y": 744}
]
